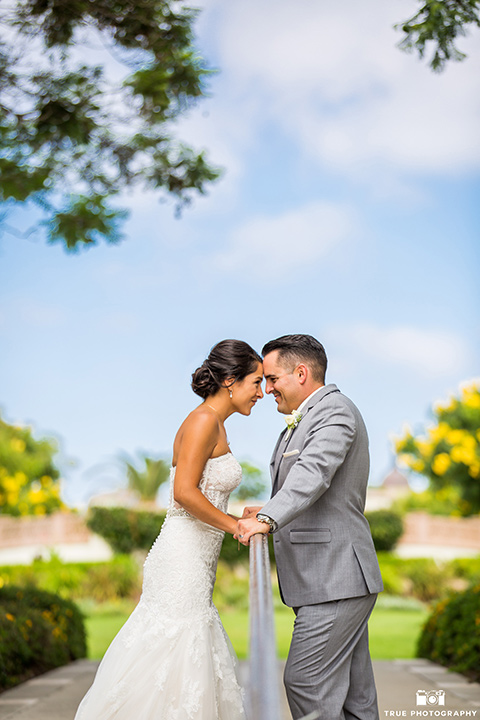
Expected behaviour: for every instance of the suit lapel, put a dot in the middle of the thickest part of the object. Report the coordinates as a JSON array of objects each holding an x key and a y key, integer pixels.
[
  {"x": 281, "y": 445},
  {"x": 276, "y": 456}
]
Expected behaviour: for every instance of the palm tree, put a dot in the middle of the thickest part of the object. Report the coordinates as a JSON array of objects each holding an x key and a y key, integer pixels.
[{"x": 146, "y": 481}]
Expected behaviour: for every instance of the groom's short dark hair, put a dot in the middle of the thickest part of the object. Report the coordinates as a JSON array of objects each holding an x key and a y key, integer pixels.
[{"x": 300, "y": 348}]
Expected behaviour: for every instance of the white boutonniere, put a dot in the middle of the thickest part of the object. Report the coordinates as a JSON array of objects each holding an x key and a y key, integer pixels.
[{"x": 292, "y": 421}]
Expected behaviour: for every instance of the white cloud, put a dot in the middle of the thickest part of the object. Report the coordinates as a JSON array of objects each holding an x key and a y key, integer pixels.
[
  {"x": 271, "y": 246},
  {"x": 429, "y": 352},
  {"x": 332, "y": 77}
]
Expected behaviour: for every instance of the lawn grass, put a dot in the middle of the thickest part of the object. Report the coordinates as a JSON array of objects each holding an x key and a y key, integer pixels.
[
  {"x": 393, "y": 631},
  {"x": 101, "y": 629}
]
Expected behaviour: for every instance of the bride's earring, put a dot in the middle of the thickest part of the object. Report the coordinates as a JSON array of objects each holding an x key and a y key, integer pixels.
[{"x": 230, "y": 393}]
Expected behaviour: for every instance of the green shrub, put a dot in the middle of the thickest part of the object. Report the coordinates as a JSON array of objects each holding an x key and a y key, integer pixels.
[
  {"x": 117, "y": 578},
  {"x": 428, "y": 580},
  {"x": 386, "y": 527},
  {"x": 126, "y": 530},
  {"x": 231, "y": 587},
  {"x": 38, "y": 631},
  {"x": 446, "y": 501},
  {"x": 393, "y": 582},
  {"x": 421, "y": 578},
  {"x": 467, "y": 568},
  {"x": 451, "y": 635}
]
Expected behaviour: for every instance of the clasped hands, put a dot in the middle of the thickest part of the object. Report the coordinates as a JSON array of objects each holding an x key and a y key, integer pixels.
[{"x": 248, "y": 525}]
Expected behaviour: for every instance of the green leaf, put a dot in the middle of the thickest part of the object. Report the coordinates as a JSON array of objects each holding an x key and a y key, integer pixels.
[{"x": 85, "y": 220}]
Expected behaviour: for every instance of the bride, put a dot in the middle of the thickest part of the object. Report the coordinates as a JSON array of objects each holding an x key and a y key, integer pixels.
[{"x": 172, "y": 659}]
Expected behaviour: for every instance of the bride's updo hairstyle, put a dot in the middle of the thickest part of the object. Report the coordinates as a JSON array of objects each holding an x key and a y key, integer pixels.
[{"x": 227, "y": 359}]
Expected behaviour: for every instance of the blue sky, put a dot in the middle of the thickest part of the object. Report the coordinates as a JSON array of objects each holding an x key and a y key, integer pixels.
[{"x": 348, "y": 210}]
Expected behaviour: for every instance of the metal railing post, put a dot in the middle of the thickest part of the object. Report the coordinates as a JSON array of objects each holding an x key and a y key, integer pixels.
[{"x": 263, "y": 696}]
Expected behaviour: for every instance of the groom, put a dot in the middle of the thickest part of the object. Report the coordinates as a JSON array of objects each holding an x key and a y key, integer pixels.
[{"x": 326, "y": 562}]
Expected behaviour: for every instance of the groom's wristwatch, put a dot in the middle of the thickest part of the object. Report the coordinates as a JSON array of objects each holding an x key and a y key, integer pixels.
[{"x": 268, "y": 520}]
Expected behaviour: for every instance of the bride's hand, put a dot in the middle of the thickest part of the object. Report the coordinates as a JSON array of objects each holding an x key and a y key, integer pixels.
[
  {"x": 251, "y": 511},
  {"x": 247, "y": 528}
]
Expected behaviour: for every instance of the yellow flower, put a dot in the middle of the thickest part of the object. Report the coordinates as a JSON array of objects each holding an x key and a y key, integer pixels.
[
  {"x": 417, "y": 465},
  {"x": 20, "y": 478},
  {"x": 474, "y": 470},
  {"x": 439, "y": 432},
  {"x": 460, "y": 454},
  {"x": 454, "y": 437},
  {"x": 473, "y": 401},
  {"x": 471, "y": 395},
  {"x": 37, "y": 496},
  {"x": 441, "y": 463},
  {"x": 468, "y": 441},
  {"x": 10, "y": 617},
  {"x": 425, "y": 448},
  {"x": 10, "y": 484},
  {"x": 17, "y": 445}
]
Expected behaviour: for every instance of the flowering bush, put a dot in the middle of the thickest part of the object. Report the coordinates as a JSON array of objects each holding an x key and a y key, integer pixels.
[
  {"x": 29, "y": 480},
  {"x": 38, "y": 631},
  {"x": 451, "y": 635},
  {"x": 448, "y": 452}
]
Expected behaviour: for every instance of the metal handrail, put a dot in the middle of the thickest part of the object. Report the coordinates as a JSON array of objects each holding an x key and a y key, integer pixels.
[{"x": 263, "y": 690}]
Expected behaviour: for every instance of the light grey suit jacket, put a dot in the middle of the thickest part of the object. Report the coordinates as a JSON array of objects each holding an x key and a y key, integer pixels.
[{"x": 323, "y": 545}]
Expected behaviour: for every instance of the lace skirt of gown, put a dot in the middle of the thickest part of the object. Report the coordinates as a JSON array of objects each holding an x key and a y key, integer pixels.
[{"x": 172, "y": 660}]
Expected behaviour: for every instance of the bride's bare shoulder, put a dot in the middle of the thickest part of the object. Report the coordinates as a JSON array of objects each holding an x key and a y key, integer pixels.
[
  {"x": 199, "y": 429},
  {"x": 201, "y": 425},
  {"x": 199, "y": 418}
]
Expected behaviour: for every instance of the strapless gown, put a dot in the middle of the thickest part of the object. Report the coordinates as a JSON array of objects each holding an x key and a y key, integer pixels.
[{"x": 172, "y": 660}]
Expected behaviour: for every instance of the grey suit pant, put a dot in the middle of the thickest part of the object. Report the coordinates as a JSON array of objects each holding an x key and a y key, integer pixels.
[{"x": 329, "y": 670}]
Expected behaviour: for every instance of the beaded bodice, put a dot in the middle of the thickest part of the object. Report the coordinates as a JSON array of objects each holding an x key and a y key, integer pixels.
[{"x": 220, "y": 477}]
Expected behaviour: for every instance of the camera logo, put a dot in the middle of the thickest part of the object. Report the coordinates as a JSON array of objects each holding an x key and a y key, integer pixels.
[{"x": 430, "y": 697}]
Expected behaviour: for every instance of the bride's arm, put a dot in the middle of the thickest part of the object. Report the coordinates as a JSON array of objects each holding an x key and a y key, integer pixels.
[{"x": 200, "y": 435}]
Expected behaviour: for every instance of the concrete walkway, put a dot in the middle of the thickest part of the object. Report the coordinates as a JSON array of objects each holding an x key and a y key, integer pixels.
[{"x": 56, "y": 694}]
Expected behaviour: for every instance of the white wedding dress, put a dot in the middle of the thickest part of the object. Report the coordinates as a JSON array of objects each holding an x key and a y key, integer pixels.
[{"x": 172, "y": 660}]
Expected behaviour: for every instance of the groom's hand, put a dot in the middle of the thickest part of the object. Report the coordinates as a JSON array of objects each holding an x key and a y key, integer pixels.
[
  {"x": 250, "y": 526},
  {"x": 249, "y": 511}
]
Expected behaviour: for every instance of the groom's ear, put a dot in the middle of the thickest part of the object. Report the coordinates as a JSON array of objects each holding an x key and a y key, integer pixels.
[{"x": 301, "y": 371}]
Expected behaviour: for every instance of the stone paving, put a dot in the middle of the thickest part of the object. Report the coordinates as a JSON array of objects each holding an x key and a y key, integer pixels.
[{"x": 406, "y": 688}]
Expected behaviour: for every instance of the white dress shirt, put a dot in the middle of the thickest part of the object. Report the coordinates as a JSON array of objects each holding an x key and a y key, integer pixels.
[{"x": 302, "y": 405}]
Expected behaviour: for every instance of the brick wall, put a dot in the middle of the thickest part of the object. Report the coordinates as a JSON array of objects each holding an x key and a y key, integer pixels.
[
  {"x": 424, "y": 529},
  {"x": 43, "y": 530},
  {"x": 420, "y": 528}
]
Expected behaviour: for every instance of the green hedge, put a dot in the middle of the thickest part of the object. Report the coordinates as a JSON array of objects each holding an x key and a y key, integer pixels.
[
  {"x": 100, "y": 581},
  {"x": 126, "y": 530},
  {"x": 38, "y": 631},
  {"x": 386, "y": 527},
  {"x": 424, "y": 578},
  {"x": 451, "y": 635}
]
